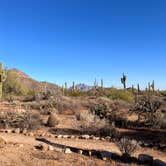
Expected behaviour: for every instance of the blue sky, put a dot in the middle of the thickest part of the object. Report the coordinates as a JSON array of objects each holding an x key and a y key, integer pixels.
[{"x": 66, "y": 40}]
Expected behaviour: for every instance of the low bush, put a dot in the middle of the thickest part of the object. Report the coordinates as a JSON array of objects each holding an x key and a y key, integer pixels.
[
  {"x": 52, "y": 120},
  {"x": 21, "y": 120},
  {"x": 127, "y": 146},
  {"x": 125, "y": 95},
  {"x": 88, "y": 123}
]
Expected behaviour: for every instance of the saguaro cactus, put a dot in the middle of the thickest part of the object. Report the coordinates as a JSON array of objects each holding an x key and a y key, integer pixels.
[
  {"x": 65, "y": 85},
  {"x": 153, "y": 86},
  {"x": 138, "y": 88},
  {"x": 3, "y": 76},
  {"x": 102, "y": 84},
  {"x": 95, "y": 84},
  {"x": 123, "y": 80},
  {"x": 74, "y": 86}
]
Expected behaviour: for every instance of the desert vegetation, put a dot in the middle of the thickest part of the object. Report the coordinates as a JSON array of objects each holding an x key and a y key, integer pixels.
[{"x": 130, "y": 118}]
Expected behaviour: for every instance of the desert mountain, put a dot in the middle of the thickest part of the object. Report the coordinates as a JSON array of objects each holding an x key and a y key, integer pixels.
[{"x": 33, "y": 84}]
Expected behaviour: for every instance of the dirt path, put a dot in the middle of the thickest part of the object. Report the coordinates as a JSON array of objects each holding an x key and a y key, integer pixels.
[{"x": 30, "y": 142}]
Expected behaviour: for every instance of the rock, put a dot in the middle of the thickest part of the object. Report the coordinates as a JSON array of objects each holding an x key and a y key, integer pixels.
[
  {"x": 103, "y": 139},
  {"x": 73, "y": 136},
  {"x": 68, "y": 151},
  {"x": 31, "y": 134},
  {"x": 85, "y": 136},
  {"x": 158, "y": 163},
  {"x": 51, "y": 148},
  {"x": 96, "y": 138},
  {"x": 59, "y": 136},
  {"x": 17, "y": 131},
  {"x": 21, "y": 145},
  {"x": 24, "y": 131},
  {"x": 145, "y": 159},
  {"x": 108, "y": 138},
  {"x": 80, "y": 151},
  {"x": 9, "y": 131},
  {"x": 65, "y": 136}
]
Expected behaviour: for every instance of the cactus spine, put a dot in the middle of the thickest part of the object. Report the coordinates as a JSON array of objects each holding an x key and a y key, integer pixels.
[{"x": 123, "y": 80}]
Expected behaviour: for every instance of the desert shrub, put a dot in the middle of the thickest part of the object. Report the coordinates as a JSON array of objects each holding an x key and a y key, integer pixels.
[
  {"x": 21, "y": 120},
  {"x": 127, "y": 146},
  {"x": 121, "y": 94},
  {"x": 14, "y": 85},
  {"x": 89, "y": 123},
  {"x": 74, "y": 93},
  {"x": 159, "y": 120},
  {"x": 52, "y": 120},
  {"x": 163, "y": 93}
]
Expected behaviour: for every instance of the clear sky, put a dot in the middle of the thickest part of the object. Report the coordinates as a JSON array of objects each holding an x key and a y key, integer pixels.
[{"x": 66, "y": 40}]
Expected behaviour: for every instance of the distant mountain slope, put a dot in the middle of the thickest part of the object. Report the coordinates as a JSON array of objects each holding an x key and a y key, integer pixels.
[{"x": 33, "y": 84}]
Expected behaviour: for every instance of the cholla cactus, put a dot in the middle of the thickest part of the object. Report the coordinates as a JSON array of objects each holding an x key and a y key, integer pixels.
[{"x": 123, "y": 80}]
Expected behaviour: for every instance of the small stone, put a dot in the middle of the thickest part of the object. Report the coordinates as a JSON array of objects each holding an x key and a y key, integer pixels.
[
  {"x": 21, "y": 145},
  {"x": 31, "y": 134},
  {"x": 80, "y": 151},
  {"x": 51, "y": 148},
  {"x": 68, "y": 151},
  {"x": 108, "y": 138},
  {"x": 44, "y": 134},
  {"x": 9, "y": 131},
  {"x": 65, "y": 136},
  {"x": 85, "y": 136},
  {"x": 17, "y": 131},
  {"x": 59, "y": 136},
  {"x": 96, "y": 138},
  {"x": 24, "y": 131},
  {"x": 73, "y": 136},
  {"x": 103, "y": 139}
]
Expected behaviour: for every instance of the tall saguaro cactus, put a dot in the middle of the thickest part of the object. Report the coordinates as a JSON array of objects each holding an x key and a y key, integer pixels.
[
  {"x": 123, "y": 80},
  {"x": 102, "y": 84},
  {"x": 153, "y": 86},
  {"x": 3, "y": 77}
]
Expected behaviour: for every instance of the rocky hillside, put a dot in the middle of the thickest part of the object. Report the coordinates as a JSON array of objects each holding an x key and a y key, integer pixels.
[{"x": 33, "y": 84}]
